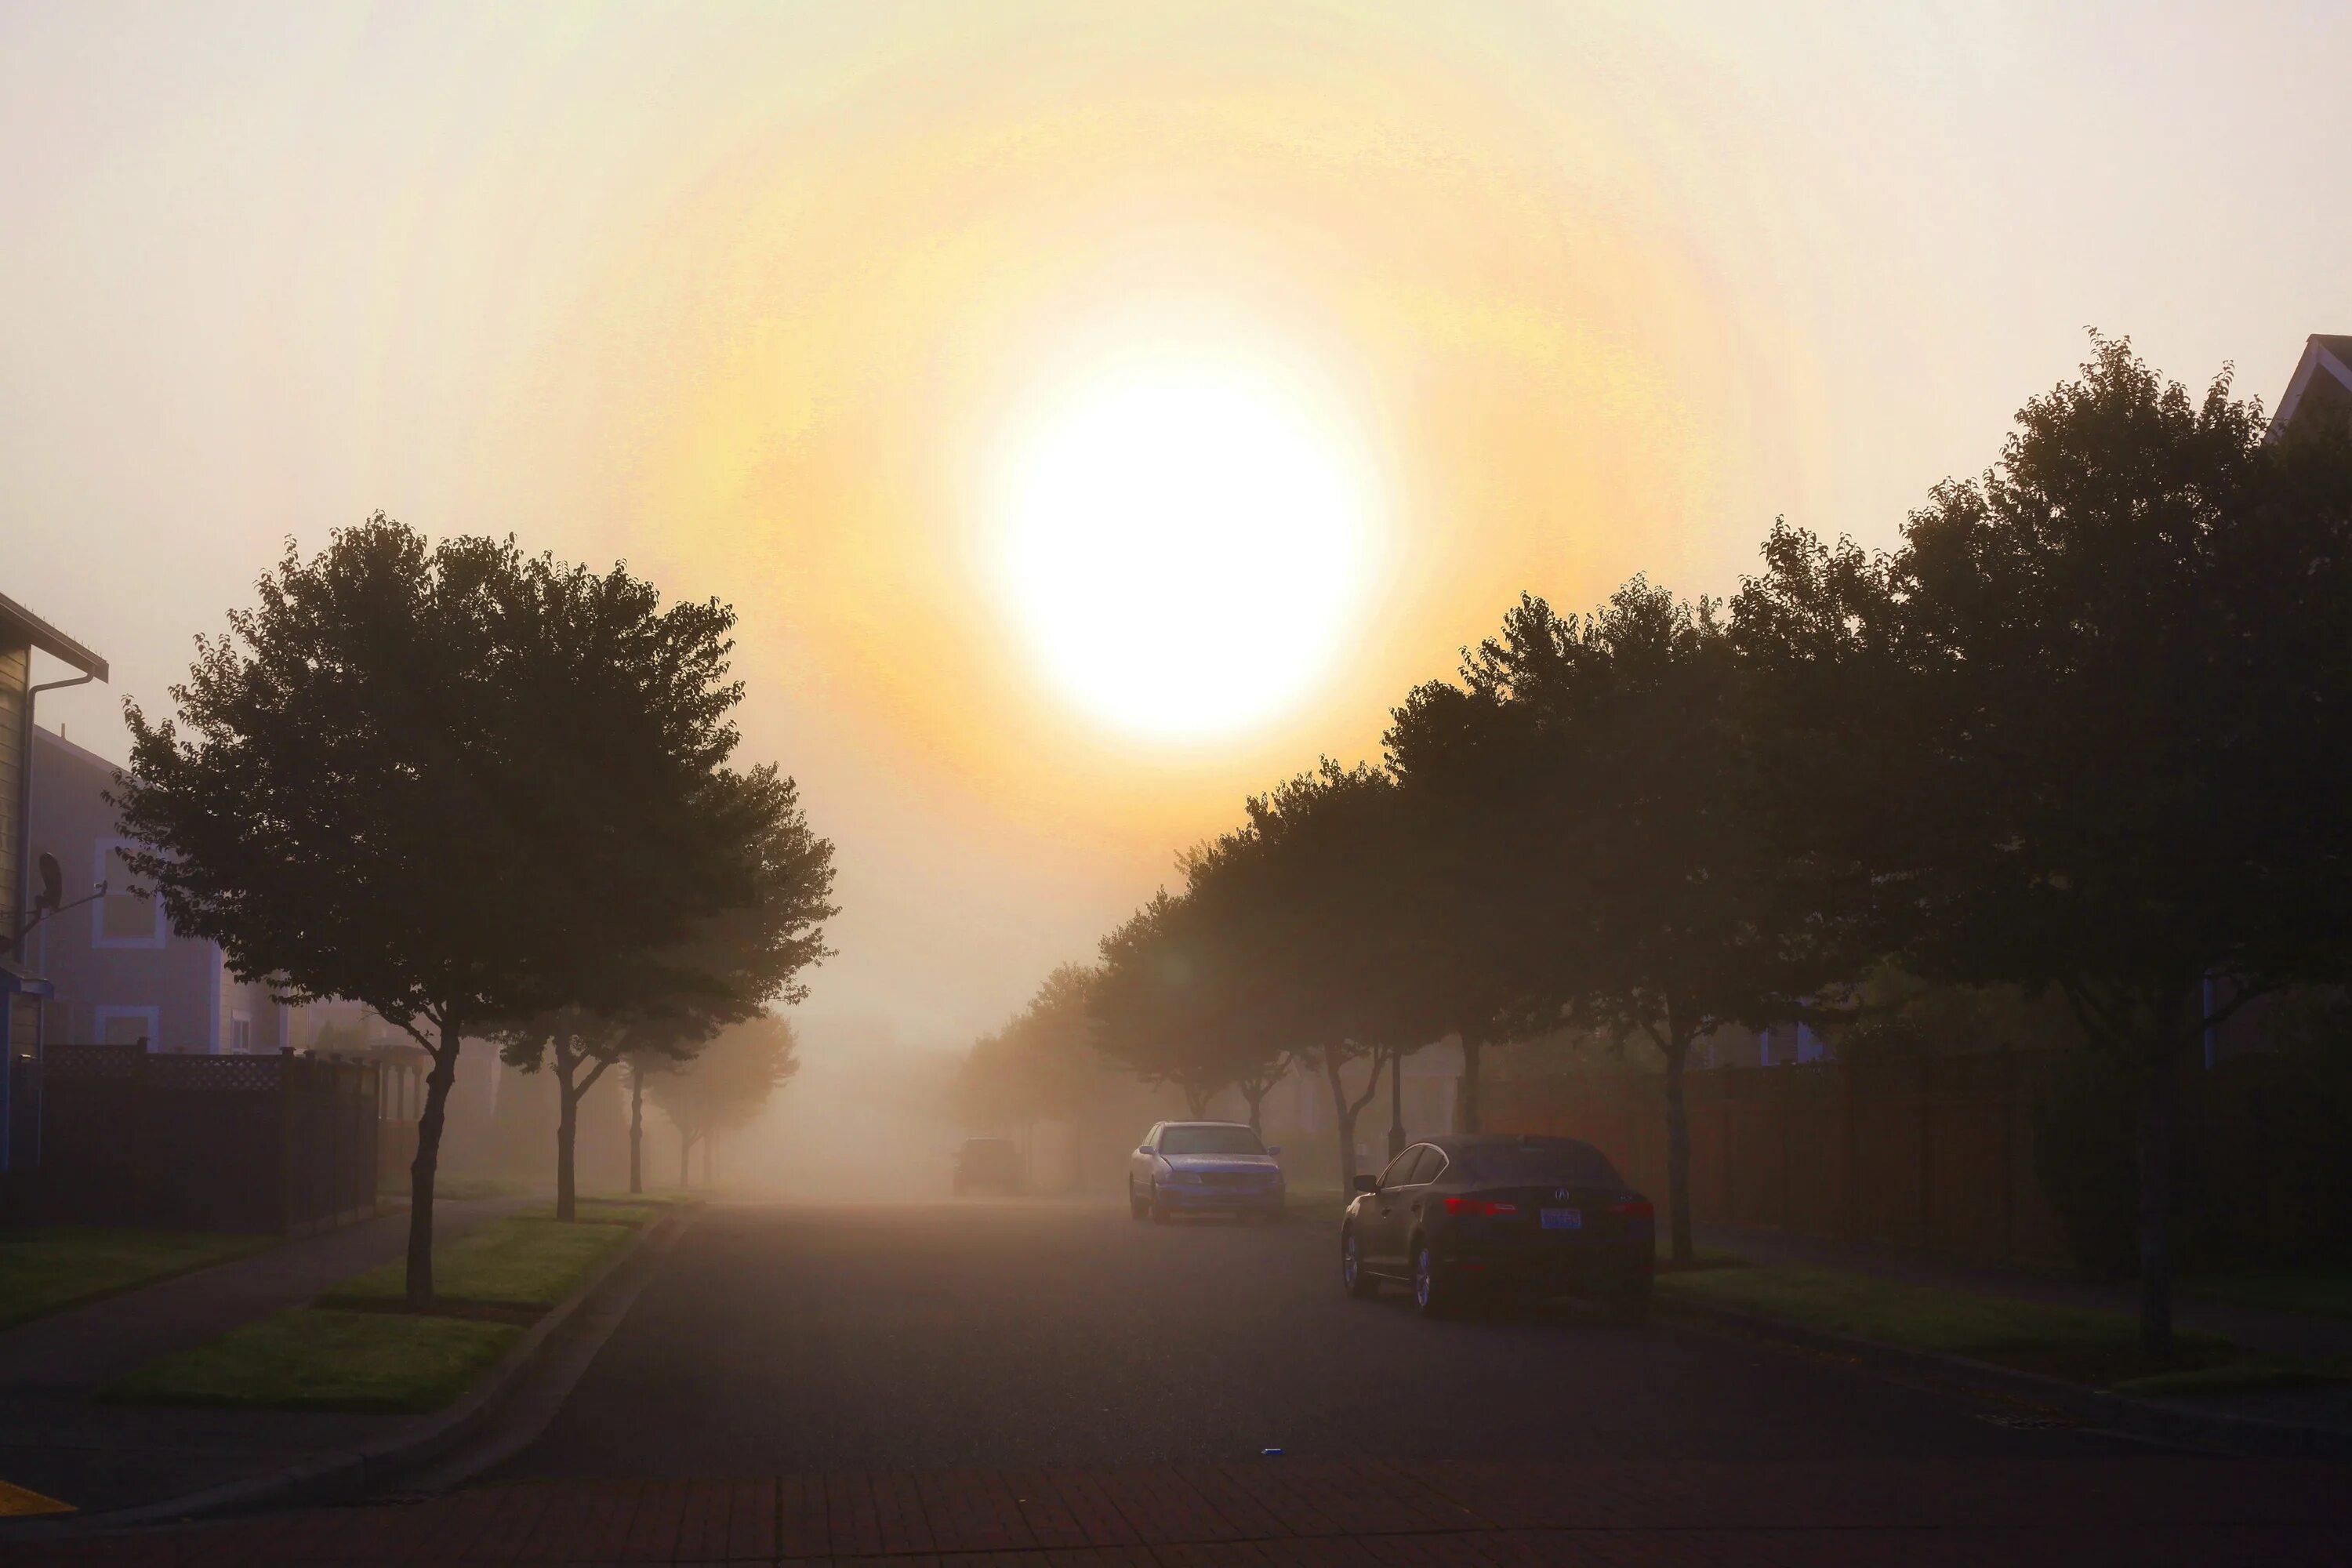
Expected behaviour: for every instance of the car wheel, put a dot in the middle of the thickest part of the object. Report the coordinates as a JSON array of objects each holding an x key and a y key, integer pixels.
[
  {"x": 1354, "y": 1277},
  {"x": 1434, "y": 1288},
  {"x": 1136, "y": 1207},
  {"x": 1159, "y": 1212}
]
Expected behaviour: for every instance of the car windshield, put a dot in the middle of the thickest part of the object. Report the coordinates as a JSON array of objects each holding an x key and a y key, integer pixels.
[
  {"x": 1578, "y": 1163},
  {"x": 1209, "y": 1140}
]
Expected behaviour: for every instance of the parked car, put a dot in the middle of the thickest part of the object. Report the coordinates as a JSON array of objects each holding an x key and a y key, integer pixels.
[
  {"x": 1459, "y": 1217},
  {"x": 1203, "y": 1167},
  {"x": 988, "y": 1164}
]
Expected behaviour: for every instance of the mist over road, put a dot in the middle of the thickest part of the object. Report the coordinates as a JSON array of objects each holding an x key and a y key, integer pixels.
[{"x": 786, "y": 1339}]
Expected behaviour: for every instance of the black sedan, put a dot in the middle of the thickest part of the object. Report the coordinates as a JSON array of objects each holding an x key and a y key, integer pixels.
[
  {"x": 1476, "y": 1215},
  {"x": 988, "y": 1163}
]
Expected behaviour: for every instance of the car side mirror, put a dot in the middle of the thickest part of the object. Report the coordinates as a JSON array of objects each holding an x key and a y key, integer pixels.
[
  {"x": 1368, "y": 1183},
  {"x": 1143, "y": 1148},
  {"x": 1274, "y": 1151}
]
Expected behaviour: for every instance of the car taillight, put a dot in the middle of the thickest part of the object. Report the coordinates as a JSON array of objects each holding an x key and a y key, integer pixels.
[
  {"x": 1634, "y": 1208},
  {"x": 1479, "y": 1206}
]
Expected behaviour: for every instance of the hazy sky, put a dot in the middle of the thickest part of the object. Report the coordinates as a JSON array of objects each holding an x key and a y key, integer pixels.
[{"x": 835, "y": 311}]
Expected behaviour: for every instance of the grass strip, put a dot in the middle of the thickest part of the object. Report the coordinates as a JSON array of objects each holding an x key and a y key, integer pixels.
[
  {"x": 518, "y": 1262},
  {"x": 2086, "y": 1346},
  {"x": 47, "y": 1270},
  {"x": 313, "y": 1358},
  {"x": 2326, "y": 1293}
]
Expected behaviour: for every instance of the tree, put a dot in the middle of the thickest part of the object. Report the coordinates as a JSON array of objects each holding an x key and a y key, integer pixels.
[
  {"x": 1156, "y": 1005},
  {"x": 669, "y": 1003},
  {"x": 728, "y": 1084},
  {"x": 1042, "y": 1063},
  {"x": 1315, "y": 923},
  {"x": 1470, "y": 803},
  {"x": 451, "y": 782},
  {"x": 2122, "y": 708},
  {"x": 1643, "y": 878}
]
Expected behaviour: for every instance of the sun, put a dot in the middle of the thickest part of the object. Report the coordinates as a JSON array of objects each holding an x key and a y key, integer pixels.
[{"x": 1182, "y": 538}]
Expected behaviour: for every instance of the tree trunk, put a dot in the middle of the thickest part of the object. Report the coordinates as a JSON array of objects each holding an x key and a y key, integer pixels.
[
  {"x": 421, "y": 1170},
  {"x": 710, "y": 1157},
  {"x": 1344, "y": 1113},
  {"x": 1198, "y": 1100},
  {"x": 685, "y": 1152},
  {"x": 1677, "y": 1051},
  {"x": 1466, "y": 1113},
  {"x": 1343, "y": 1121},
  {"x": 1257, "y": 1101},
  {"x": 2158, "y": 1133},
  {"x": 1396, "y": 1103},
  {"x": 567, "y": 1132},
  {"x": 637, "y": 1130}
]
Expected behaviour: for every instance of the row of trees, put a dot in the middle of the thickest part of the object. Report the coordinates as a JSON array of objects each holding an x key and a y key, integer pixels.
[
  {"x": 490, "y": 795},
  {"x": 2083, "y": 732}
]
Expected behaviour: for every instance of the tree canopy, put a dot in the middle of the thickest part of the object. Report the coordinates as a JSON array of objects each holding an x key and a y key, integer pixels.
[{"x": 455, "y": 783}]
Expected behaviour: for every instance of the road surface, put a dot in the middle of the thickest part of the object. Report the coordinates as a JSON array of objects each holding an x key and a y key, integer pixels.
[{"x": 780, "y": 1339}]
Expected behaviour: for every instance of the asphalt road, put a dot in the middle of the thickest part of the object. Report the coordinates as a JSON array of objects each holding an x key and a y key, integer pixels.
[{"x": 994, "y": 1334}]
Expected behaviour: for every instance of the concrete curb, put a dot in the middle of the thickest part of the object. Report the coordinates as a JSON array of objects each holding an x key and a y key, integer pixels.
[
  {"x": 2178, "y": 1426},
  {"x": 337, "y": 1477}
]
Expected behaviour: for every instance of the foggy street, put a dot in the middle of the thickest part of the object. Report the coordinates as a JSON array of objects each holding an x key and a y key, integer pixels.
[{"x": 791, "y": 1338}]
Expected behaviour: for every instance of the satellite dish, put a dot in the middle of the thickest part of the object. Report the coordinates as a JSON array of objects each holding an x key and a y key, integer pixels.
[{"x": 53, "y": 884}]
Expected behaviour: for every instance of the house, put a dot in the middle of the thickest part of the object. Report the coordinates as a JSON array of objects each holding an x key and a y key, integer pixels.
[
  {"x": 23, "y": 987},
  {"x": 2320, "y": 390},
  {"x": 119, "y": 973}
]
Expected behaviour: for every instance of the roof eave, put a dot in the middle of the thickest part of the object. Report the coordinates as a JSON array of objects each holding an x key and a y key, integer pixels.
[{"x": 50, "y": 640}]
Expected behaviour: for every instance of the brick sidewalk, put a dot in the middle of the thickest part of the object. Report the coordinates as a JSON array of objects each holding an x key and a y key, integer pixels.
[{"x": 2151, "y": 1510}]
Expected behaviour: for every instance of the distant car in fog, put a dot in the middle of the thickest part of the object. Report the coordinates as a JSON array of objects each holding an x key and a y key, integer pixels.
[
  {"x": 985, "y": 1164},
  {"x": 1459, "y": 1217},
  {"x": 1203, "y": 1167}
]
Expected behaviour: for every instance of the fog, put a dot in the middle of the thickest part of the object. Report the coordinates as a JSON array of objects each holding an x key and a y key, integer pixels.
[{"x": 865, "y": 1119}]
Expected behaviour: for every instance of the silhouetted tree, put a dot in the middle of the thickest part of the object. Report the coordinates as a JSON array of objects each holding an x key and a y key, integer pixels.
[
  {"x": 455, "y": 783},
  {"x": 668, "y": 1002},
  {"x": 1307, "y": 899},
  {"x": 1657, "y": 906},
  {"x": 2121, "y": 714},
  {"x": 726, "y": 1084},
  {"x": 1042, "y": 1063}
]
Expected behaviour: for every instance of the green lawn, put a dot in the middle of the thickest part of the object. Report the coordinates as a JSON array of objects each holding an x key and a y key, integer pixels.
[
  {"x": 637, "y": 1210},
  {"x": 315, "y": 1359},
  {"x": 516, "y": 1262},
  {"x": 2327, "y": 1292},
  {"x": 2081, "y": 1344},
  {"x": 44, "y": 1270}
]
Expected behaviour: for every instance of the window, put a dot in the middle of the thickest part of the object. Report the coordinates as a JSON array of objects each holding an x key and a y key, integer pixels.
[
  {"x": 126, "y": 1025},
  {"x": 124, "y": 917},
  {"x": 1200, "y": 1138},
  {"x": 1431, "y": 1167},
  {"x": 1399, "y": 1169},
  {"x": 240, "y": 1033}
]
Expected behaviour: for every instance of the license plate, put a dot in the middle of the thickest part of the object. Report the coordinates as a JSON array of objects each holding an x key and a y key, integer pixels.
[{"x": 1563, "y": 1219}]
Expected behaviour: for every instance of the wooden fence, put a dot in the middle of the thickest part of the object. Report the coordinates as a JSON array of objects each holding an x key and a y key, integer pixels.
[
  {"x": 280, "y": 1143},
  {"x": 1928, "y": 1154}
]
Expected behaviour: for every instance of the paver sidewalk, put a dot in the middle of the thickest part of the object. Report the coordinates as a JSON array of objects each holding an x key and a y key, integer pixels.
[
  {"x": 58, "y": 1440},
  {"x": 2147, "y": 1510}
]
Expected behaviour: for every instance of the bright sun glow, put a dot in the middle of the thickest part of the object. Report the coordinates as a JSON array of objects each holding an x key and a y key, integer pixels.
[{"x": 1184, "y": 541}]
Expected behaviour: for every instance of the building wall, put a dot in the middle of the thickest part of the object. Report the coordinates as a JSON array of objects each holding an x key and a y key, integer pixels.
[{"x": 119, "y": 971}]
